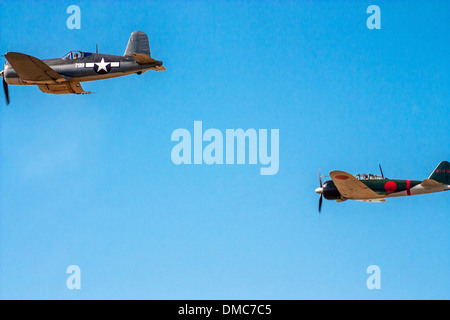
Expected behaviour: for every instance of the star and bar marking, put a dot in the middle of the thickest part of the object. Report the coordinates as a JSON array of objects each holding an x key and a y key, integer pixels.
[{"x": 102, "y": 67}]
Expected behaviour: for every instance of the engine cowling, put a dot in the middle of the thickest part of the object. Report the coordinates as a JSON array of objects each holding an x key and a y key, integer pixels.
[
  {"x": 11, "y": 76},
  {"x": 330, "y": 192}
]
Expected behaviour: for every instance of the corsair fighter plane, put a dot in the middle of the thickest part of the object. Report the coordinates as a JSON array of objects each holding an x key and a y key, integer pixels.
[
  {"x": 64, "y": 75},
  {"x": 373, "y": 188}
]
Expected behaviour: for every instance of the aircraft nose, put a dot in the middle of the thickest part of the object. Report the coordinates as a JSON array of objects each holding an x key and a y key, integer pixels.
[{"x": 319, "y": 190}]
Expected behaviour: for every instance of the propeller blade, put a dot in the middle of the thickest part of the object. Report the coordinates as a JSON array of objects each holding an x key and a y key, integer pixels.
[
  {"x": 320, "y": 203},
  {"x": 321, "y": 192},
  {"x": 6, "y": 90}
]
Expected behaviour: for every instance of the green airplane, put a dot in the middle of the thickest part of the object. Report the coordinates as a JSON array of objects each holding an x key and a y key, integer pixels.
[{"x": 373, "y": 188}]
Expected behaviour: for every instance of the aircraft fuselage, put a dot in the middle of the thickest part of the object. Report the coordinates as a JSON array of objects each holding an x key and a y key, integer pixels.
[
  {"x": 90, "y": 68},
  {"x": 389, "y": 188}
]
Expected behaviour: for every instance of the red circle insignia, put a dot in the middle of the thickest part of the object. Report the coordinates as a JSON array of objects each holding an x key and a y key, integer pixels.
[{"x": 390, "y": 186}]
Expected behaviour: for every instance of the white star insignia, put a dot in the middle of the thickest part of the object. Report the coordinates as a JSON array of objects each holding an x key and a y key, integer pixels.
[{"x": 102, "y": 65}]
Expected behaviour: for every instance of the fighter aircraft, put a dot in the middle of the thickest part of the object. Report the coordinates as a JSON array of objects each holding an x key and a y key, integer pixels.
[
  {"x": 64, "y": 75},
  {"x": 372, "y": 188}
]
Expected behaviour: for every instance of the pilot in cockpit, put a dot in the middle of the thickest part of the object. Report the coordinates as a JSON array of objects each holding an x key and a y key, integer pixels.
[
  {"x": 75, "y": 56},
  {"x": 366, "y": 177}
]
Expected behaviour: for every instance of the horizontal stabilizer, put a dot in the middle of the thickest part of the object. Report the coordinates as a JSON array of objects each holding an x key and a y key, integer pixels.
[
  {"x": 142, "y": 58},
  {"x": 159, "y": 68},
  {"x": 430, "y": 183}
]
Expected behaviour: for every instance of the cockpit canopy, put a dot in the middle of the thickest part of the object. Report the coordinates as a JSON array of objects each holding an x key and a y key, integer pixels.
[
  {"x": 368, "y": 176},
  {"x": 74, "y": 55}
]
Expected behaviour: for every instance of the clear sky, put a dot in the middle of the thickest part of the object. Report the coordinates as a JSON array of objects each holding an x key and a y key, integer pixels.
[{"x": 88, "y": 180}]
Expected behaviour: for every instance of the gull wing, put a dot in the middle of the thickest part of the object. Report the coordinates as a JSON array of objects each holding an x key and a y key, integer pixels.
[
  {"x": 32, "y": 70},
  {"x": 63, "y": 88},
  {"x": 351, "y": 188}
]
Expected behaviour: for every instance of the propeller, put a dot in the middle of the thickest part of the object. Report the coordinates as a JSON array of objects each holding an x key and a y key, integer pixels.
[
  {"x": 6, "y": 91},
  {"x": 321, "y": 192},
  {"x": 5, "y": 85}
]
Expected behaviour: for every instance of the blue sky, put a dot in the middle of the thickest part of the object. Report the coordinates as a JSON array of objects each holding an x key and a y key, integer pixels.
[{"x": 88, "y": 180}]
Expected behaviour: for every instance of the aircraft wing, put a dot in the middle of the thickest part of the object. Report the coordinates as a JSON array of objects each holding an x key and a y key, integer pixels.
[
  {"x": 63, "y": 88},
  {"x": 32, "y": 70},
  {"x": 351, "y": 188}
]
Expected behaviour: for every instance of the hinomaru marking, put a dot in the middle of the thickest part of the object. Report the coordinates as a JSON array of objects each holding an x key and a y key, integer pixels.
[{"x": 235, "y": 147}]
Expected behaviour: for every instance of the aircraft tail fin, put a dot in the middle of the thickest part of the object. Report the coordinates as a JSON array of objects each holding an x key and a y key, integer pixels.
[
  {"x": 138, "y": 43},
  {"x": 442, "y": 173}
]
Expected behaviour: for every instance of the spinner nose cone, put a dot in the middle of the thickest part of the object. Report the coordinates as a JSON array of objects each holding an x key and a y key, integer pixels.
[{"x": 319, "y": 190}]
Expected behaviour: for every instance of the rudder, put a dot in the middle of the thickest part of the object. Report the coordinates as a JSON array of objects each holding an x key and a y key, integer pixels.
[
  {"x": 138, "y": 43},
  {"x": 442, "y": 173}
]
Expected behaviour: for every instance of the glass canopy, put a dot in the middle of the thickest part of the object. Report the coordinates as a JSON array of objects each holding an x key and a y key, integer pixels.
[
  {"x": 74, "y": 55},
  {"x": 368, "y": 176}
]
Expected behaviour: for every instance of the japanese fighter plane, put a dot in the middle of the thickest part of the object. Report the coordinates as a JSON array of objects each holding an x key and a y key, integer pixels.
[
  {"x": 373, "y": 188},
  {"x": 64, "y": 75}
]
